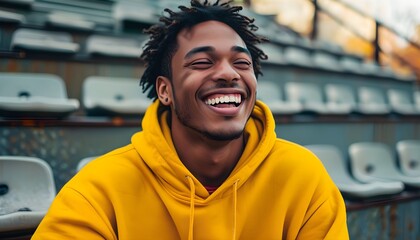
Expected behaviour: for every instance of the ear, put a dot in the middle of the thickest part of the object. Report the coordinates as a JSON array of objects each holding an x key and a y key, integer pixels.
[{"x": 164, "y": 90}]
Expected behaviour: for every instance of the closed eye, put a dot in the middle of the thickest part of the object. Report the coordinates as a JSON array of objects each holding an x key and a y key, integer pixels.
[
  {"x": 201, "y": 64},
  {"x": 243, "y": 64}
]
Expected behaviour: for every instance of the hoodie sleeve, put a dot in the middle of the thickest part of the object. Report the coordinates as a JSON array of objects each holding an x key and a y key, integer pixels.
[
  {"x": 327, "y": 221},
  {"x": 71, "y": 216}
]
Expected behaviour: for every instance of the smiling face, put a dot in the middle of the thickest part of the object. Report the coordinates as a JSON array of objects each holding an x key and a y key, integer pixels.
[{"x": 213, "y": 85}]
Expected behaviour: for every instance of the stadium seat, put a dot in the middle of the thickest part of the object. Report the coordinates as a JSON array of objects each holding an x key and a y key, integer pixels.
[
  {"x": 271, "y": 94},
  {"x": 417, "y": 99},
  {"x": 67, "y": 20},
  {"x": 27, "y": 189},
  {"x": 11, "y": 17},
  {"x": 296, "y": 56},
  {"x": 34, "y": 95},
  {"x": 111, "y": 96},
  {"x": 372, "y": 101},
  {"x": 274, "y": 53},
  {"x": 336, "y": 166},
  {"x": 341, "y": 96},
  {"x": 408, "y": 152},
  {"x": 132, "y": 16},
  {"x": 326, "y": 61},
  {"x": 43, "y": 41},
  {"x": 351, "y": 64},
  {"x": 310, "y": 95},
  {"x": 114, "y": 46},
  {"x": 373, "y": 161},
  {"x": 401, "y": 102}
]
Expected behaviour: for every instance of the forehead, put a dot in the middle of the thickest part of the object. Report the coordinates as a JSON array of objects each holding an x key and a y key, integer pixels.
[{"x": 209, "y": 33}]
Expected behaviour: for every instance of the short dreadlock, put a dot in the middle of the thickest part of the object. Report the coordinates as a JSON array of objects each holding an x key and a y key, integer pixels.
[{"x": 162, "y": 44}]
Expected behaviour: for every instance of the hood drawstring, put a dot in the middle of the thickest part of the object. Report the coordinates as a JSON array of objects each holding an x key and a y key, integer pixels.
[
  {"x": 235, "y": 200},
  {"x": 192, "y": 205}
]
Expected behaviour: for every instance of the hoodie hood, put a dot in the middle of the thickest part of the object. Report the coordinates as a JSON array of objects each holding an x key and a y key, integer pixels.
[{"x": 176, "y": 178}]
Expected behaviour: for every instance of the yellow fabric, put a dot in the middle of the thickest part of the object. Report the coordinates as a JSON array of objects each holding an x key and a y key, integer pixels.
[{"x": 278, "y": 190}]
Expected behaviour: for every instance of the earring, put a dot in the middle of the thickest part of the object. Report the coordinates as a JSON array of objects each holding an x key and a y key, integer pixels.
[{"x": 166, "y": 99}]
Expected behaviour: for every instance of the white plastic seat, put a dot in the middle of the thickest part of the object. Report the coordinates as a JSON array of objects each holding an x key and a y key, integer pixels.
[
  {"x": 69, "y": 20},
  {"x": 11, "y": 17},
  {"x": 44, "y": 41},
  {"x": 400, "y": 102},
  {"x": 114, "y": 46},
  {"x": 408, "y": 152},
  {"x": 373, "y": 161},
  {"x": 351, "y": 64},
  {"x": 274, "y": 53},
  {"x": 326, "y": 61},
  {"x": 334, "y": 162},
  {"x": 372, "y": 101},
  {"x": 310, "y": 95},
  {"x": 26, "y": 191},
  {"x": 417, "y": 99},
  {"x": 271, "y": 94},
  {"x": 340, "y": 96},
  {"x": 114, "y": 96},
  {"x": 34, "y": 95},
  {"x": 296, "y": 56},
  {"x": 141, "y": 14}
]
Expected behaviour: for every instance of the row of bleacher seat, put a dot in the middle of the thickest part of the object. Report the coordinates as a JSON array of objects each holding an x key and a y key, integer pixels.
[
  {"x": 373, "y": 171},
  {"x": 297, "y": 97},
  {"x": 45, "y": 95},
  {"x": 37, "y": 95},
  {"x": 119, "y": 46}
]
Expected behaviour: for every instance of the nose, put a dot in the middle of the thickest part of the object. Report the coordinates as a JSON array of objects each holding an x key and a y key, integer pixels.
[{"x": 226, "y": 71}]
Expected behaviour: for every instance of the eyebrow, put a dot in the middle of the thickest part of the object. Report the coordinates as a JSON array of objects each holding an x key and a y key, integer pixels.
[{"x": 212, "y": 49}]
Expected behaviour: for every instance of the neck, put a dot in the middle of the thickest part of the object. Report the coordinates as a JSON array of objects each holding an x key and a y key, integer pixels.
[{"x": 210, "y": 161}]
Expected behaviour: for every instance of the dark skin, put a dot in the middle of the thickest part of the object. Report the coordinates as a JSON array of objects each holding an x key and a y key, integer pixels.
[{"x": 211, "y": 96}]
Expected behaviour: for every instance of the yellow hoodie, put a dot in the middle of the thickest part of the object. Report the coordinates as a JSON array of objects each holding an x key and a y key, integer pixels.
[{"x": 278, "y": 190}]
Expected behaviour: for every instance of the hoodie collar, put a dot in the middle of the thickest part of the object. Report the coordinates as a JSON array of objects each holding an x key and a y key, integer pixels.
[{"x": 155, "y": 146}]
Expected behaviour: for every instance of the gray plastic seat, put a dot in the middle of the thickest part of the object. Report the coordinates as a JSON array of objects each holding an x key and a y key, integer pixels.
[
  {"x": 373, "y": 161},
  {"x": 114, "y": 96},
  {"x": 401, "y": 102},
  {"x": 11, "y": 17},
  {"x": 310, "y": 95},
  {"x": 43, "y": 41},
  {"x": 340, "y": 96},
  {"x": 271, "y": 94},
  {"x": 69, "y": 20},
  {"x": 26, "y": 191},
  {"x": 417, "y": 99},
  {"x": 34, "y": 95},
  {"x": 326, "y": 61},
  {"x": 408, "y": 152},
  {"x": 296, "y": 56},
  {"x": 351, "y": 64},
  {"x": 141, "y": 14},
  {"x": 372, "y": 101},
  {"x": 334, "y": 162},
  {"x": 114, "y": 46},
  {"x": 274, "y": 53}
]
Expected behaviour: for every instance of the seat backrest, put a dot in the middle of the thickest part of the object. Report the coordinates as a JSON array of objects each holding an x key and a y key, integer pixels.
[
  {"x": 371, "y": 159},
  {"x": 399, "y": 97},
  {"x": 340, "y": 93},
  {"x": 333, "y": 160},
  {"x": 32, "y": 84},
  {"x": 303, "y": 92},
  {"x": 326, "y": 61},
  {"x": 269, "y": 91},
  {"x": 370, "y": 95},
  {"x": 417, "y": 99},
  {"x": 42, "y": 40},
  {"x": 297, "y": 56},
  {"x": 408, "y": 152},
  {"x": 274, "y": 52},
  {"x": 26, "y": 184},
  {"x": 111, "y": 88}
]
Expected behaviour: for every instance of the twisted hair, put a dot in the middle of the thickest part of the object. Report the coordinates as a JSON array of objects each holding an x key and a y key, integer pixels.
[{"x": 162, "y": 45}]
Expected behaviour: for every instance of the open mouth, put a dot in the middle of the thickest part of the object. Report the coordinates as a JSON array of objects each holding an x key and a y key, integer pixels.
[{"x": 224, "y": 100}]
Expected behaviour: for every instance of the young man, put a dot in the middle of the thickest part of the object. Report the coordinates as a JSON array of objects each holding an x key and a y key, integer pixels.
[{"x": 207, "y": 164}]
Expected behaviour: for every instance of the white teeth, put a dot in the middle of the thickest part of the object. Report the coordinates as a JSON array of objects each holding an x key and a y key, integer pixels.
[{"x": 224, "y": 99}]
